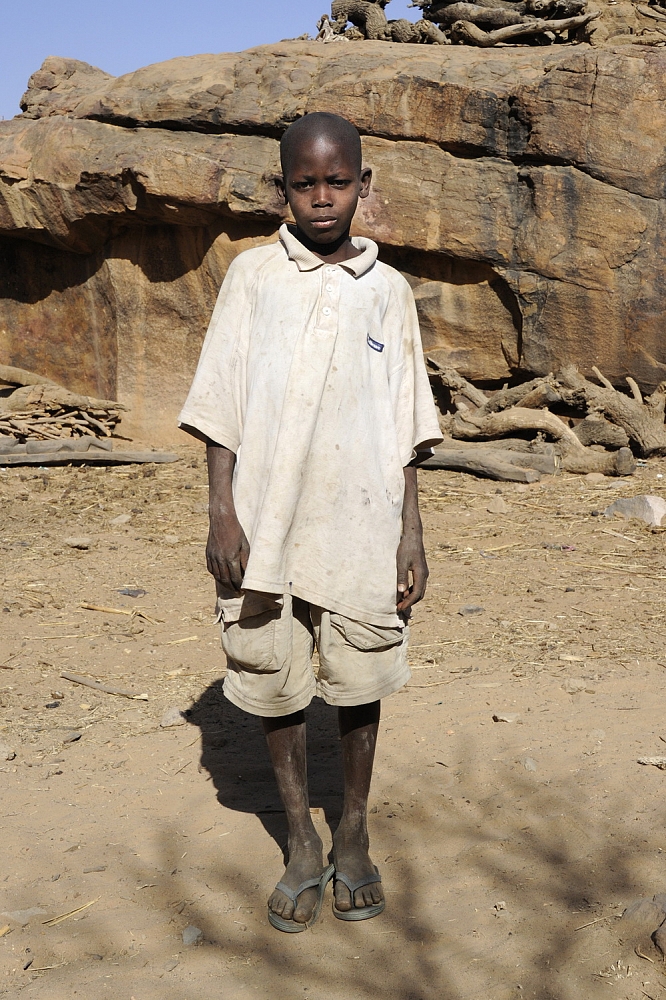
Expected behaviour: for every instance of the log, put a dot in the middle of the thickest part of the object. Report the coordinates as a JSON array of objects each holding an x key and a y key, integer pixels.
[
  {"x": 8, "y": 445},
  {"x": 33, "y": 447},
  {"x": 450, "y": 378},
  {"x": 642, "y": 419},
  {"x": 576, "y": 457},
  {"x": 595, "y": 429},
  {"x": 610, "y": 463},
  {"x": 468, "y": 425},
  {"x": 488, "y": 462},
  {"x": 435, "y": 11},
  {"x": 540, "y": 455},
  {"x": 492, "y": 17},
  {"x": 97, "y": 456},
  {"x": 651, "y": 12},
  {"x": 534, "y": 447},
  {"x": 52, "y": 396},
  {"x": 466, "y": 31},
  {"x": 9, "y": 375},
  {"x": 535, "y": 394}
]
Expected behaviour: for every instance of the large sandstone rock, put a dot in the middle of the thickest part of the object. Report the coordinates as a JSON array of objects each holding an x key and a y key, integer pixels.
[{"x": 519, "y": 190}]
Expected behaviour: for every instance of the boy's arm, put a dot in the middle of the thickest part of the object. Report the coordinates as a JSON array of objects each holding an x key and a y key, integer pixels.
[
  {"x": 228, "y": 550},
  {"x": 411, "y": 556}
]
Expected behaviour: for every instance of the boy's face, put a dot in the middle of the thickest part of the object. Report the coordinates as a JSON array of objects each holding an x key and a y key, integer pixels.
[{"x": 322, "y": 187}]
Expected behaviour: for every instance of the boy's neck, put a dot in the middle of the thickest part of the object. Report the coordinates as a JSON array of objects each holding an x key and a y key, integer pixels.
[{"x": 336, "y": 252}]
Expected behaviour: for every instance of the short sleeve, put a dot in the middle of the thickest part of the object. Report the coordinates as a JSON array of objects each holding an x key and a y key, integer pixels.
[
  {"x": 215, "y": 403},
  {"x": 416, "y": 415}
]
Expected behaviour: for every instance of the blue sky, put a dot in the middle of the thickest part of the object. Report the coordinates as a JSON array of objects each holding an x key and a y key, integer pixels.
[{"x": 123, "y": 36}]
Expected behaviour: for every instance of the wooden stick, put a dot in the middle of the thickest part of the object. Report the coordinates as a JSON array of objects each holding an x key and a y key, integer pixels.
[
  {"x": 433, "y": 684},
  {"x": 602, "y": 378},
  {"x": 589, "y": 923},
  {"x": 635, "y": 391},
  {"x": 99, "y": 686},
  {"x": 135, "y": 612},
  {"x": 107, "y": 611},
  {"x": 64, "y": 916}
]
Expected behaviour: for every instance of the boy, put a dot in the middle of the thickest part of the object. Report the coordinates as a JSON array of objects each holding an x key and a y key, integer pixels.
[{"x": 313, "y": 399}]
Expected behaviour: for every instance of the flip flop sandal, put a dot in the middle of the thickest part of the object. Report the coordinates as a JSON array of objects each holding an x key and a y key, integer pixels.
[
  {"x": 359, "y": 912},
  {"x": 292, "y": 926}
]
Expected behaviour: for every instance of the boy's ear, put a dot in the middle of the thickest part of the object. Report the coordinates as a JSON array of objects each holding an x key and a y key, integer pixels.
[
  {"x": 366, "y": 178},
  {"x": 280, "y": 187}
]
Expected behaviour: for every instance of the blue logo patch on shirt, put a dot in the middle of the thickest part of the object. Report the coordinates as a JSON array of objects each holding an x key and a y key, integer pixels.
[{"x": 375, "y": 345}]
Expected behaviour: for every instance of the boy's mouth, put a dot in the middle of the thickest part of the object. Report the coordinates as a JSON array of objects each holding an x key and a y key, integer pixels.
[{"x": 324, "y": 223}]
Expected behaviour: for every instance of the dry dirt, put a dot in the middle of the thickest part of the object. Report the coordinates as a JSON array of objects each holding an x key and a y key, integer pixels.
[{"x": 508, "y": 849}]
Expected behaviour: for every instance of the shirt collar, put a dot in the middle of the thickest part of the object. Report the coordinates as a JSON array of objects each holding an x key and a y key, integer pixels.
[{"x": 305, "y": 260}]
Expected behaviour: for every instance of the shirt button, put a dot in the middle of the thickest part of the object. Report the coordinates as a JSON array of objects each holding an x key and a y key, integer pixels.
[
  {"x": 330, "y": 270},
  {"x": 329, "y": 288},
  {"x": 326, "y": 311}
]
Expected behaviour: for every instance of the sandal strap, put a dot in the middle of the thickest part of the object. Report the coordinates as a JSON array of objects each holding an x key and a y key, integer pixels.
[
  {"x": 293, "y": 894},
  {"x": 353, "y": 886}
]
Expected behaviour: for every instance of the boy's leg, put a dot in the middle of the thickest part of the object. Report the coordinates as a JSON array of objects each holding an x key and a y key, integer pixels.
[
  {"x": 358, "y": 733},
  {"x": 286, "y": 744}
]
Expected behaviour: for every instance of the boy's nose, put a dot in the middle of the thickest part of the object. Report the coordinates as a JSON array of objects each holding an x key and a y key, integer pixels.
[{"x": 321, "y": 196}]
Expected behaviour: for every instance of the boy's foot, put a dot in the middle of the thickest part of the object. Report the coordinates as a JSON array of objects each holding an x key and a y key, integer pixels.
[
  {"x": 305, "y": 862},
  {"x": 350, "y": 856}
]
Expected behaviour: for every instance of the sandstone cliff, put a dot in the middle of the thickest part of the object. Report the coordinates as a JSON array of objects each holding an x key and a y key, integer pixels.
[{"x": 520, "y": 190}]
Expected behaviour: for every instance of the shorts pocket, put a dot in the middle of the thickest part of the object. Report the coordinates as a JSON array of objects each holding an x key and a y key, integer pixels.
[
  {"x": 256, "y": 631},
  {"x": 365, "y": 637}
]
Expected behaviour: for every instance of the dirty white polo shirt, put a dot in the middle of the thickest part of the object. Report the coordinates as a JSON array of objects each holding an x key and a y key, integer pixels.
[{"x": 313, "y": 374}]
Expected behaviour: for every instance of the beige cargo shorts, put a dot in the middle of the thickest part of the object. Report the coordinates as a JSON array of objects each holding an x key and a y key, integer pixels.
[{"x": 270, "y": 640}]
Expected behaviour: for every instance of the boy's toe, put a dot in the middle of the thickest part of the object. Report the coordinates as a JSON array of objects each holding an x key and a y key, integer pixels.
[
  {"x": 305, "y": 907},
  {"x": 376, "y": 893},
  {"x": 343, "y": 897},
  {"x": 367, "y": 896},
  {"x": 280, "y": 905}
]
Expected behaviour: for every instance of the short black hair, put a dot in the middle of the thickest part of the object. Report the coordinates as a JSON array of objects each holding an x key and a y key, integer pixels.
[{"x": 314, "y": 126}]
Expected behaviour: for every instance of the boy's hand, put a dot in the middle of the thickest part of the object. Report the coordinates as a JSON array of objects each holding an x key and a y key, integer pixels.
[
  {"x": 411, "y": 560},
  {"x": 227, "y": 552}
]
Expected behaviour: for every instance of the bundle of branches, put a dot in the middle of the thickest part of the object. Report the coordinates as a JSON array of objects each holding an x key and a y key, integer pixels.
[
  {"x": 483, "y": 22},
  {"x": 520, "y": 432},
  {"x": 34, "y": 408}
]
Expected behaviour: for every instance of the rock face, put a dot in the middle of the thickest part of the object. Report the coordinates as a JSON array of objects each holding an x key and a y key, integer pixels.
[{"x": 521, "y": 191}]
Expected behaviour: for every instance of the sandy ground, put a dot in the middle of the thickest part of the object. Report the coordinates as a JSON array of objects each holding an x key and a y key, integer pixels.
[{"x": 508, "y": 849}]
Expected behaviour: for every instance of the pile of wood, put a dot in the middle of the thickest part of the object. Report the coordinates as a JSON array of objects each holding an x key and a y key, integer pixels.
[
  {"x": 35, "y": 408},
  {"x": 490, "y": 22},
  {"x": 481, "y": 22},
  {"x": 41, "y": 423},
  {"x": 513, "y": 434}
]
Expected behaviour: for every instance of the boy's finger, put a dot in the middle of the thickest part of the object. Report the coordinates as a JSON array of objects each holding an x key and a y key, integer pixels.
[
  {"x": 405, "y": 600},
  {"x": 235, "y": 573},
  {"x": 403, "y": 581},
  {"x": 419, "y": 584},
  {"x": 218, "y": 571}
]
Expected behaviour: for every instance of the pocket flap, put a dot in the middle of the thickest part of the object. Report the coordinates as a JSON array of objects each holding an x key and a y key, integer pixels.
[
  {"x": 245, "y": 605},
  {"x": 367, "y": 637}
]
